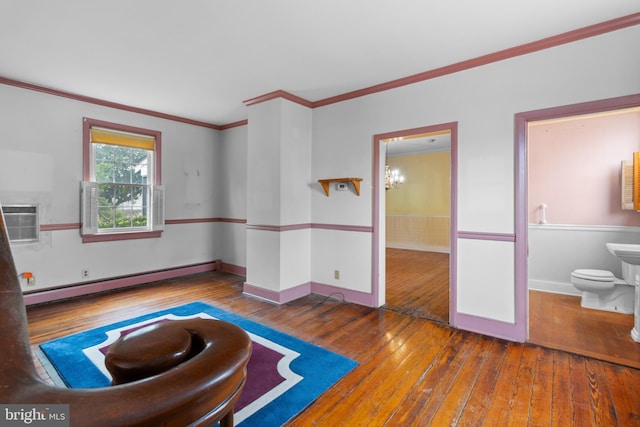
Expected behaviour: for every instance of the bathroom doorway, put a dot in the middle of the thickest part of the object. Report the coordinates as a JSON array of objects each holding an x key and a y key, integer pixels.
[
  {"x": 417, "y": 216},
  {"x": 563, "y": 232}
]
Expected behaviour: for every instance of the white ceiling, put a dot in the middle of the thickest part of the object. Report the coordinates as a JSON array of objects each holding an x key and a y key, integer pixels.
[
  {"x": 418, "y": 144},
  {"x": 200, "y": 59}
]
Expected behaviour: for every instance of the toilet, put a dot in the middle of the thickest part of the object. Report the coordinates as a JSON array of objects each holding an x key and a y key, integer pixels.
[{"x": 601, "y": 290}]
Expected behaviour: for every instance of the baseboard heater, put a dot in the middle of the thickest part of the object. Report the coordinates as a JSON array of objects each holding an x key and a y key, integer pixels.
[{"x": 109, "y": 284}]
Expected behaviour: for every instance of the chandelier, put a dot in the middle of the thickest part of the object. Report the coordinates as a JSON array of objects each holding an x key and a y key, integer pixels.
[{"x": 392, "y": 178}]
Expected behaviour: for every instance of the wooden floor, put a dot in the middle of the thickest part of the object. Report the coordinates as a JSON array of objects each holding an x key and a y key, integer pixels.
[
  {"x": 417, "y": 283},
  {"x": 412, "y": 371},
  {"x": 558, "y": 321}
]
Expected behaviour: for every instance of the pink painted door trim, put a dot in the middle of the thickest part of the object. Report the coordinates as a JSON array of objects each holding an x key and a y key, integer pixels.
[{"x": 522, "y": 121}]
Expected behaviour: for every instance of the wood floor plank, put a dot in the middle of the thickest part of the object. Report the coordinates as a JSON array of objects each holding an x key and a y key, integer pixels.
[
  {"x": 502, "y": 398},
  {"x": 428, "y": 393},
  {"x": 540, "y": 409},
  {"x": 483, "y": 390},
  {"x": 523, "y": 388},
  {"x": 625, "y": 387},
  {"x": 585, "y": 395},
  {"x": 602, "y": 409},
  {"x": 370, "y": 347},
  {"x": 562, "y": 402},
  {"x": 408, "y": 367},
  {"x": 374, "y": 372},
  {"x": 457, "y": 396},
  {"x": 371, "y": 337}
]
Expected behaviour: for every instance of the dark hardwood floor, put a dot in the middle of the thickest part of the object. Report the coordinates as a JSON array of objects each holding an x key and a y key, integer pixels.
[
  {"x": 412, "y": 371},
  {"x": 418, "y": 283}
]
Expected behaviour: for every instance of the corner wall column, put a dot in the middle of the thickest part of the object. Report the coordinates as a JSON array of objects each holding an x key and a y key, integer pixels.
[{"x": 278, "y": 200}]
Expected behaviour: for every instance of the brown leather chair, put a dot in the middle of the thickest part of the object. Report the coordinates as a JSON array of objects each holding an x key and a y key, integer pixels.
[{"x": 199, "y": 389}]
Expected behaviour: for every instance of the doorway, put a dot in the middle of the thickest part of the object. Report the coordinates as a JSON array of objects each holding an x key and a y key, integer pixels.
[
  {"x": 544, "y": 277},
  {"x": 415, "y": 220}
]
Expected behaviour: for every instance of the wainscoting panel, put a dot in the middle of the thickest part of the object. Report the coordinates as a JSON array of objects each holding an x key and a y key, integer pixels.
[
  {"x": 555, "y": 250},
  {"x": 419, "y": 232}
]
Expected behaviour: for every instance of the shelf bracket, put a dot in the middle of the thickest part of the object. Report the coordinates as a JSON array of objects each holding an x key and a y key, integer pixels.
[{"x": 354, "y": 181}]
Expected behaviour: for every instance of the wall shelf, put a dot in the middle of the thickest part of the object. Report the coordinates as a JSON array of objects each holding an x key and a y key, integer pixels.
[{"x": 354, "y": 181}]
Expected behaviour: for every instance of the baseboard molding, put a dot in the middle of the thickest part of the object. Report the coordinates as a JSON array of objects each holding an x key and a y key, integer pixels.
[
  {"x": 349, "y": 295},
  {"x": 287, "y": 295},
  {"x": 233, "y": 269},
  {"x": 103, "y": 285},
  {"x": 277, "y": 297},
  {"x": 553, "y": 287},
  {"x": 417, "y": 247}
]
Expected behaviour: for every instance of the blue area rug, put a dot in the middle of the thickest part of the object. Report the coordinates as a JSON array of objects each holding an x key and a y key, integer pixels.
[{"x": 284, "y": 375}]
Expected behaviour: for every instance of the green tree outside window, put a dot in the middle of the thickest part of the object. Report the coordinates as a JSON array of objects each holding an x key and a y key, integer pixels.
[{"x": 123, "y": 193}]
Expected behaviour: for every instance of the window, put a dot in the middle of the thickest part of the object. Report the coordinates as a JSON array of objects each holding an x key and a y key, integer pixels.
[{"x": 121, "y": 193}]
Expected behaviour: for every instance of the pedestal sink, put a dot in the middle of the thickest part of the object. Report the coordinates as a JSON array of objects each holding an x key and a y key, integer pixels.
[{"x": 629, "y": 255}]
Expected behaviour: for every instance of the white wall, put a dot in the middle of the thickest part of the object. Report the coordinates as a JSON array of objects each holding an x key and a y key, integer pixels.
[
  {"x": 278, "y": 174},
  {"x": 483, "y": 101},
  {"x": 41, "y": 163},
  {"x": 343, "y": 251},
  {"x": 233, "y": 195}
]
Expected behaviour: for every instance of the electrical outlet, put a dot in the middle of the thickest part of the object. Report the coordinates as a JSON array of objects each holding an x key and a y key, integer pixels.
[
  {"x": 336, "y": 274},
  {"x": 29, "y": 277},
  {"x": 85, "y": 273}
]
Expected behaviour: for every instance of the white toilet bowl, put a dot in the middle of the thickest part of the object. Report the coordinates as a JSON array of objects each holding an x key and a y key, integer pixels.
[{"x": 601, "y": 290}]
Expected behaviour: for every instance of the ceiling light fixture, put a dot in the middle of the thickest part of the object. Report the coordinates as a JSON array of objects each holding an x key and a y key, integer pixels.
[{"x": 392, "y": 178}]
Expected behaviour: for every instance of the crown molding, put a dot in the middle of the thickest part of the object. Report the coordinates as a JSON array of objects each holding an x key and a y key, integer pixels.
[
  {"x": 97, "y": 101},
  {"x": 538, "y": 45},
  {"x": 278, "y": 94},
  {"x": 546, "y": 43},
  {"x": 234, "y": 124}
]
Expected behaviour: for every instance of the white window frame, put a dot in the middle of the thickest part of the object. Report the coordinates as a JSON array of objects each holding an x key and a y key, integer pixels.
[{"x": 89, "y": 188}]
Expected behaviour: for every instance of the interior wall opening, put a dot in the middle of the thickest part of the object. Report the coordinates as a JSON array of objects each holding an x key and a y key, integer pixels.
[
  {"x": 574, "y": 207},
  {"x": 417, "y": 216}
]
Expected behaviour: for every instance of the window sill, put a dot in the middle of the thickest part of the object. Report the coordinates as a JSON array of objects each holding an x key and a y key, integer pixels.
[{"x": 110, "y": 237}]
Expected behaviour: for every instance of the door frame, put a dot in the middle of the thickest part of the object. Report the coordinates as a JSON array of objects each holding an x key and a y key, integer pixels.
[
  {"x": 378, "y": 244},
  {"x": 521, "y": 185}
]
